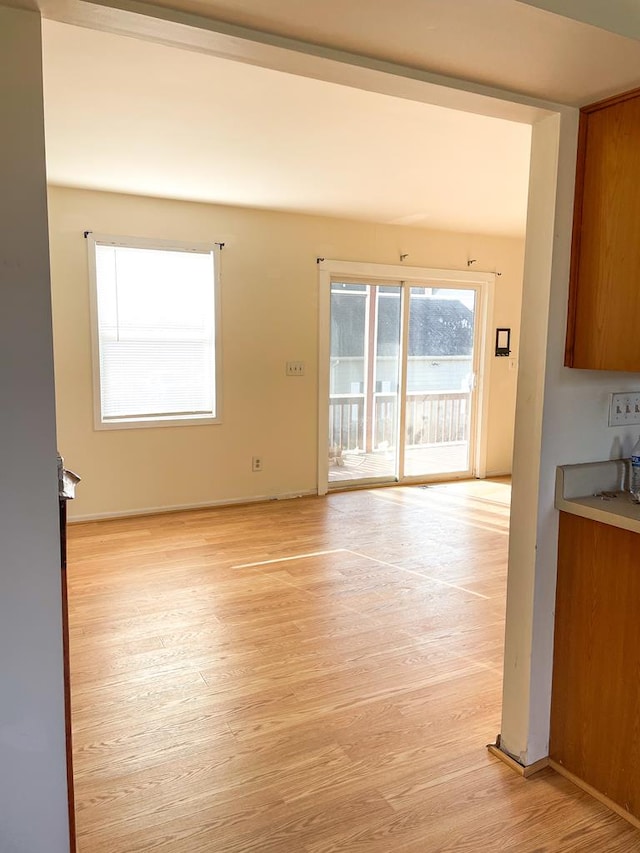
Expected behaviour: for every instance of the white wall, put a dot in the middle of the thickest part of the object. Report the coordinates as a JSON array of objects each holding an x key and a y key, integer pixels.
[
  {"x": 33, "y": 814},
  {"x": 269, "y": 315}
]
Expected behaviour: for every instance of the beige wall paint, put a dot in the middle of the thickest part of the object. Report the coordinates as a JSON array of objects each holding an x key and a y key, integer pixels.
[{"x": 269, "y": 316}]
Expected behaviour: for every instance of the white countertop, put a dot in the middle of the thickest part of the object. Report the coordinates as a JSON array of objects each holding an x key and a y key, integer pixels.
[{"x": 596, "y": 490}]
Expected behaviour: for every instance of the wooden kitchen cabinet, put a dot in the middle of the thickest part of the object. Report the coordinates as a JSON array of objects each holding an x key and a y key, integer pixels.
[
  {"x": 595, "y": 709},
  {"x": 603, "y": 328}
]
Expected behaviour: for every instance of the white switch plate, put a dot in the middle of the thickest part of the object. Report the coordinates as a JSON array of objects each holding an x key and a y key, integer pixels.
[
  {"x": 295, "y": 368},
  {"x": 624, "y": 409}
]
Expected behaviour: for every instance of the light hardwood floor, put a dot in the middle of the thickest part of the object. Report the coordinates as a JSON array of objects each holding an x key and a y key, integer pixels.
[{"x": 309, "y": 676}]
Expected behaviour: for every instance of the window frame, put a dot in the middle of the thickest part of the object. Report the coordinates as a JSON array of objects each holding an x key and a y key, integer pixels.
[{"x": 97, "y": 239}]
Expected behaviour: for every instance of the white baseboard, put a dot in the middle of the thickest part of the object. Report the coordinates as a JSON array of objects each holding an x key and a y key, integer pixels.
[{"x": 158, "y": 510}]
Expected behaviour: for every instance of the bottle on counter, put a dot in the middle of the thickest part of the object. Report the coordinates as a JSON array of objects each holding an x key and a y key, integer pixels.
[{"x": 634, "y": 478}]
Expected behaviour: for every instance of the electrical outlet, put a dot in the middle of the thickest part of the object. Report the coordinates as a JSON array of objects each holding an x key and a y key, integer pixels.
[
  {"x": 256, "y": 463},
  {"x": 295, "y": 368},
  {"x": 624, "y": 409}
]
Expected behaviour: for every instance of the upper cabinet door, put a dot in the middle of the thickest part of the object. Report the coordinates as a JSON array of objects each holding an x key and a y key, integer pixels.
[{"x": 603, "y": 330}]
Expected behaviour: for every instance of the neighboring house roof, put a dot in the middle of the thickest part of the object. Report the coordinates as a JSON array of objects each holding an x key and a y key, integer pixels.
[{"x": 437, "y": 327}]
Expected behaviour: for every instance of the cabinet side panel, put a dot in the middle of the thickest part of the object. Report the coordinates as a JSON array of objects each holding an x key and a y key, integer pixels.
[
  {"x": 596, "y": 678},
  {"x": 607, "y": 287},
  {"x": 575, "y": 242}
]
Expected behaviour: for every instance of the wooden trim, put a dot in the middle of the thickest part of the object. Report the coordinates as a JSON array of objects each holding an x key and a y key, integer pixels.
[
  {"x": 62, "y": 503},
  {"x": 594, "y": 793},
  {"x": 67, "y": 717},
  {"x": 536, "y": 767},
  {"x": 520, "y": 769},
  {"x": 569, "y": 353},
  {"x": 610, "y": 102}
]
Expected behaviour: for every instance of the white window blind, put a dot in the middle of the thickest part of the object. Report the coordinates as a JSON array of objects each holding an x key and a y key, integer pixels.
[{"x": 156, "y": 329}]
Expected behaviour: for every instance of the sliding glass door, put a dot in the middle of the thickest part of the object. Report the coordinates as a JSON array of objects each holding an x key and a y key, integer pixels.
[
  {"x": 440, "y": 381},
  {"x": 364, "y": 382},
  {"x": 402, "y": 387}
]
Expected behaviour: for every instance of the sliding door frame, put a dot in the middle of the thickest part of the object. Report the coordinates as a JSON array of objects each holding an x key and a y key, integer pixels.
[{"x": 483, "y": 282}]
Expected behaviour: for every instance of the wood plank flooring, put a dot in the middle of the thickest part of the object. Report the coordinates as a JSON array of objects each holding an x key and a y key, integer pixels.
[{"x": 308, "y": 676}]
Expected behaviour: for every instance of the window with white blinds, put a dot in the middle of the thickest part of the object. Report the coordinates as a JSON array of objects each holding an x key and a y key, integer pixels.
[{"x": 155, "y": 332}]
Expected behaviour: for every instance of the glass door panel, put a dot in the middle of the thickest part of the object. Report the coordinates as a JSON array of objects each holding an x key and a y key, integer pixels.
[
  {"x": 440, "y": 381},
  {"x": 364, "y": 382}
]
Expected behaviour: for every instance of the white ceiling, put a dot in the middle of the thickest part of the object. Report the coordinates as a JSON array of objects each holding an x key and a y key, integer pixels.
[
  {"x": 137, "y": 117},
  {"x": 617, "y": 16},
  {"x": 142, "y": 117}
]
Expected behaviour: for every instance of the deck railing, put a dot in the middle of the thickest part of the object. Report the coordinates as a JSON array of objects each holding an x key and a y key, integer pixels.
[{"x": 440, "y": 417}]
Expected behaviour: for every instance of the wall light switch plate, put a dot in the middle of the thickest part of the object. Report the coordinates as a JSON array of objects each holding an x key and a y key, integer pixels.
[
  {"x": 624, "y": 409},
  {"x": 295, "y": 368}
]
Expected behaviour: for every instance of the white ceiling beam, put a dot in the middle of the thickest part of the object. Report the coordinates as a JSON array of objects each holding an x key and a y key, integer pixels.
[{"x": 229, "y": 41}]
